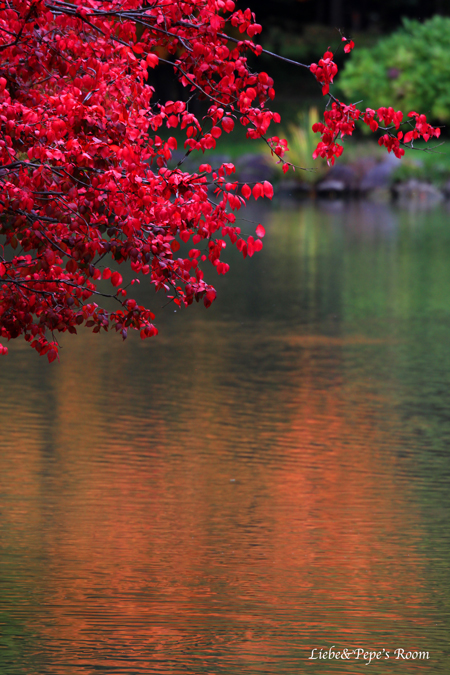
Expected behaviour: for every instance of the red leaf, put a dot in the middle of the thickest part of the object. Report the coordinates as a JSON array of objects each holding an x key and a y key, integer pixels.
[
  {"x": 52, "y": 354},
  {"x": 71, "y": 266},
  {"x": 116, "y": 279},
  {"x": 209, "y": 298},
  {"x": 268, "y": 189},
  {"x": 152, "y": 60},
  {"x": 246, "y": 191},
  {"x": 260, "y": 231},
  {"x": 227, "y": 124},
  {"x": 348, "y": 47},
  {"x": 258, "y": 190}
]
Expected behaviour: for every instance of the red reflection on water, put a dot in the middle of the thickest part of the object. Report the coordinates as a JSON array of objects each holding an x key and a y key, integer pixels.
[{"x": 162, "y": 534}]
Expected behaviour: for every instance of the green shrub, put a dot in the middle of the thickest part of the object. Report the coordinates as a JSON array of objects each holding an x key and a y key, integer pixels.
[{"x": 410, "y": 69}]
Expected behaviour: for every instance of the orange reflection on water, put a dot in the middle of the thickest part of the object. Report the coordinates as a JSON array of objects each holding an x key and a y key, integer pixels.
[{"x": 220, "y": 521}]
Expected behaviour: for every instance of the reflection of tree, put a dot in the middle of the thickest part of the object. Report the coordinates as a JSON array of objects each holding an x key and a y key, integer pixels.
[
  {"x": 231, "y": 495},
  {"x": 145, "y": 534}
]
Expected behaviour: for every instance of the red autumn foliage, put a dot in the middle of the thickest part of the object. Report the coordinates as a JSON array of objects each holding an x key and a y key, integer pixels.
[
  {"x": 86, "y": 175},
  {"x": 340, "y": 120},
  {"x": 349, "y": 46}
]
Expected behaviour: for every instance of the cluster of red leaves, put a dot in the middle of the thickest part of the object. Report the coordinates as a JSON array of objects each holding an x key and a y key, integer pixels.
[
  {"x": 85, "y": 175},
  {"x": 325, "y": 71},
  {"x": 349, "y": 46},
  {"x": 341, "y": 119}
]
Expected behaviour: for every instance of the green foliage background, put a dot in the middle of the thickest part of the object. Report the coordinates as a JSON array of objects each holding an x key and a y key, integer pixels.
[{"x": 409, "y": 69}]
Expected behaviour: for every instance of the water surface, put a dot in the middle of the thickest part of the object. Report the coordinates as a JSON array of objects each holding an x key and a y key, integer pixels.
[{"x": 267, "y": 477}]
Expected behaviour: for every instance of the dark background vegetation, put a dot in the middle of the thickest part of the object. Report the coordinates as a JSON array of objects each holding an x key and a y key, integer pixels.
[
  {"x": 293, "y": 16},
  {"x": 303, "y": 29}
]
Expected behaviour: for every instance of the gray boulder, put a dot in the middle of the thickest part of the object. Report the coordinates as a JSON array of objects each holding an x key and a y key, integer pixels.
[
  {"x": 340, "y": 178},
  {"x": 417, "y": 193},
  {"x": 380, "y": 176}
]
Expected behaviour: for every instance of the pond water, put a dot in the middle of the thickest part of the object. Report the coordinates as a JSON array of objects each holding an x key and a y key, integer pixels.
[{"x": 267, "y": 477}]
